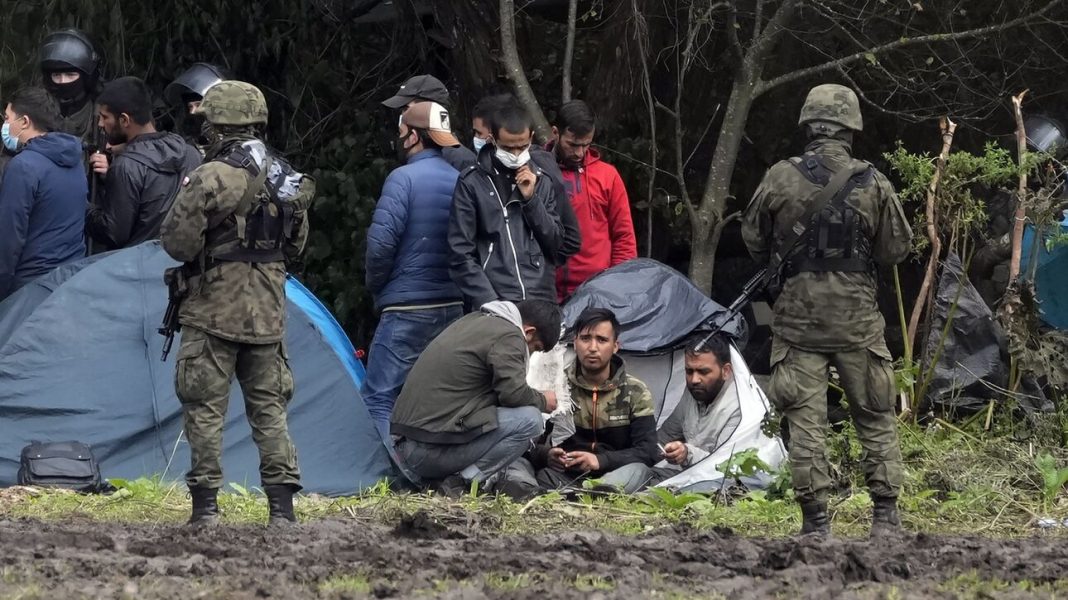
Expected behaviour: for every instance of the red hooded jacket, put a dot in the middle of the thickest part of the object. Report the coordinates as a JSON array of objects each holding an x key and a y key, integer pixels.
[{"x": 603, "y": 211}]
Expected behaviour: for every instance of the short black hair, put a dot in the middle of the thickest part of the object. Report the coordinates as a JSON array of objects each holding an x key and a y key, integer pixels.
[
  {"x": 488, "y": 107},
  {"x": 425, "y": 139},
  {"x": 512, "y": 117},
  {"x": 39, "y": 106},
  {"x": 575, "y": 116},
  {"x": 717, "y": 344},
  {"x": 127, "y": 95},
  {"x": 592, "y": 317},
  {"x": 545, "y": 317}
]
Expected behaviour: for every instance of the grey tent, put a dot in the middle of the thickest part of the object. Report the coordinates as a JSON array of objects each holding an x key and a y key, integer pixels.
[{"x": 80, "y": 360}]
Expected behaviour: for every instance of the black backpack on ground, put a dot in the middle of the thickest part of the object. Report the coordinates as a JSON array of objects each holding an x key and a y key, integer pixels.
[{"x": 67, "y": 465}]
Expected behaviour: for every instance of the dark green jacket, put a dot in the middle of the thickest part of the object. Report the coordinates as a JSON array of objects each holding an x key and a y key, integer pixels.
[{"x": 451, "y": 396}]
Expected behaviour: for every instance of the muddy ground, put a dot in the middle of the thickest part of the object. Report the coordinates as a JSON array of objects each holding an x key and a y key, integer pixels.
[{"x": 419, "y": 557}]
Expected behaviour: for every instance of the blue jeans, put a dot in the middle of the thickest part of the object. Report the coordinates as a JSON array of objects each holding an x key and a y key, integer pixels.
[
  {"x": 482, "y": 456},
  {"x": 400, "y": 338}
]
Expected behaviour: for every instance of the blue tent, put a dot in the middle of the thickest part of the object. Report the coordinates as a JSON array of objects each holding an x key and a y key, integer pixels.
[
  {"x": 1051, "y": 276},
  {"x": 80, "y": 360}
]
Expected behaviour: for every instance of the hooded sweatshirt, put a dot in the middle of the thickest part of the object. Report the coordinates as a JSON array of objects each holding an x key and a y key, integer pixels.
[
  {"x": 141, "y": 185},
  {"x": 602, "y": 208},
  {"x": 452, "y": 393},
  {"x": 42, "y": 210}
]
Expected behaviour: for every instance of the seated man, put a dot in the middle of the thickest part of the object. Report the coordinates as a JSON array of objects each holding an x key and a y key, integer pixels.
[
  {"x": 466, "y": 411},
  {"x": 614, "y": 437},
  {"x": 706, "y": 417}
]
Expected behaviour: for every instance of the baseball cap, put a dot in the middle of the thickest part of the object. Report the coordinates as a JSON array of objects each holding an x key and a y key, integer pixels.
[
  {"x": 420, "y": 87},
  {"x": 434, "y": 119}
]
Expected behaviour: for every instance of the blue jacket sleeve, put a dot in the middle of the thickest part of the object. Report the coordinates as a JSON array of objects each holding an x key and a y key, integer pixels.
[
  {"x": 16, "y": 203},
  {"x": 387, "y": 226}
]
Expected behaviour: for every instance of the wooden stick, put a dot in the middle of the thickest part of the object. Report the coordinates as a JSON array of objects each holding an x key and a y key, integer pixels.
[
  {"x": 948, "y": 128},
  {"x": 1021, "y": 190}
]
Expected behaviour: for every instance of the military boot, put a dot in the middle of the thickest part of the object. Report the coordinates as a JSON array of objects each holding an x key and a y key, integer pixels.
[
  {"x": 885, "y": 520},
  {"x": 280, "y": 504},
  {"x": 205, "y": 506},
  {"x": 814, "y": 518}
]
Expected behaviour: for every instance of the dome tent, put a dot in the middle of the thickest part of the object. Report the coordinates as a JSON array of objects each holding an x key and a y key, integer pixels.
[{"x": 80, "y": 360}]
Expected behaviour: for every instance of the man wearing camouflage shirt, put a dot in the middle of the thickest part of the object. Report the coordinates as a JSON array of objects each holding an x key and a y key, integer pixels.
[
  {"x": 827, "y": 312},
  {"x": 236, "y": 221}
]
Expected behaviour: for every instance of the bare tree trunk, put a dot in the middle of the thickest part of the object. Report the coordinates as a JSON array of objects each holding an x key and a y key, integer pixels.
[
  {"x": 514, "y": 68},
  {"x": 1021, "y": 190},
  {"x": 469, "y": 30},
  {"x": 948, "y": 128},
  {"x": 569, "y": 49},
  {"x": 642, "y": 35},
  {"x": 709, "y": 213}
]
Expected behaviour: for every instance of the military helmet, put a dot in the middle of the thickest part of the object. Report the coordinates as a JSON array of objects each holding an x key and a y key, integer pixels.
[
  {"x": 69, "y": 49},
  {"x": 194, "y": 81},
  {"x": 832, "y": 103},
  {"x": 233, "y": 103}
]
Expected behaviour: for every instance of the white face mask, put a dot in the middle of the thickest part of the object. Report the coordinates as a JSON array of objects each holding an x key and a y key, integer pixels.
[
  {"x": 477, "y": 143},
  {"x": 512, "y": 161}
]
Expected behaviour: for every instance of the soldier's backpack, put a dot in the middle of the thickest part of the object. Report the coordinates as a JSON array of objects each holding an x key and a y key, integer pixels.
[
  {"x": 66, "y": 465},
  {"x": 263, "y": 222}
]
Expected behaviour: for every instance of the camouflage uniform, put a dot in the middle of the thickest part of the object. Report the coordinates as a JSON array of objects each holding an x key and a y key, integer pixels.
[
  {"x": 234, "y": 318},
  {"x": 825, "y": 318}
]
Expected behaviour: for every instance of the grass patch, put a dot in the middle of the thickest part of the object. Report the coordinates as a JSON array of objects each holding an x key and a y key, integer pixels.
[
  {"x": 593, "y": 583},
  {"x": 956, "y": 482},
  {"x": 973, "y": 586},
  {"x": 345, "y": 584},
  {"x": 510, "y": 582}
]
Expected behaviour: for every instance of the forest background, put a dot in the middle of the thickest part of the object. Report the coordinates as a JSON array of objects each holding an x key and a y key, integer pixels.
[{"x": 695, "y": 99}]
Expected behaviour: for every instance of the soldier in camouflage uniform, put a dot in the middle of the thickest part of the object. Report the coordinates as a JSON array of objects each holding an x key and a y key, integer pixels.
[
  {"x": 234, "y": 314},
  {"x": 827, "y": 312}
]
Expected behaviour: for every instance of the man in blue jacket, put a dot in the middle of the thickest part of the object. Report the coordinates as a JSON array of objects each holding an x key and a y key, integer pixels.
[
  {"x": 408, "y": 256},
  {"x": 43, "y": 193}
]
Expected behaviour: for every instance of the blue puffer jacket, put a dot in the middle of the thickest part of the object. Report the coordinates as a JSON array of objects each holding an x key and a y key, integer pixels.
[
  {"x": 407, "y": 245},
  {"x": 42, "y": 210}
]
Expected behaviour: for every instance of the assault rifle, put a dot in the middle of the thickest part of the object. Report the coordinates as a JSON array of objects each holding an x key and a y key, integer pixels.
[
  {"x": 752, "y": 288},
  {"x": 177, "y": 290}
]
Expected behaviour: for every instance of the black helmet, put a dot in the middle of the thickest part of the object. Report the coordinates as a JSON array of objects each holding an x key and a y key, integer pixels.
[
  {"x": 1046, "y": 135},
  {"x": 194, "y": 81},
  {"x": 67, "y": 49}
]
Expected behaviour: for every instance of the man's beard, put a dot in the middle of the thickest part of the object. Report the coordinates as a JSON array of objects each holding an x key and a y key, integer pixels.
[
  {"x": 708, "y": 395},
  {"x": 116, "y": 137}
]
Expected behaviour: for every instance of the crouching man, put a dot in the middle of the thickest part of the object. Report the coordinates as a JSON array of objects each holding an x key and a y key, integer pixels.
[
  {"x": 614, "y": 437},
  {"x": 466, "y": 411}
]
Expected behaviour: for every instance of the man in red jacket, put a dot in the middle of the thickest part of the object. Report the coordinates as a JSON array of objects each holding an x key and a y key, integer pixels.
[{"x": 598, "y": 196}]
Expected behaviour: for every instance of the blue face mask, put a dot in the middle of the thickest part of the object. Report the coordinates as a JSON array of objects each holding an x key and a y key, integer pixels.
[
  {"x": 10, "y": 142},
  {"x": 478, "y": 143}
]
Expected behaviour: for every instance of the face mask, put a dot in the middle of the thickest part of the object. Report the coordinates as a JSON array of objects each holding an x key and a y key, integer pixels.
[
  {"x": 400, "y": 148},
  {"x": 478, "y": 143},
  {"x": 511, "y": 161},
  {"x": 10, "y": 142}
]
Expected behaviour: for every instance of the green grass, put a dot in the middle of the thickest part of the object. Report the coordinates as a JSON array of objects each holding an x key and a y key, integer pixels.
[
  {"x": 972, "y": 586},
  {"x": 345, "y": 584},
  {"x": 956, "y": 482}
]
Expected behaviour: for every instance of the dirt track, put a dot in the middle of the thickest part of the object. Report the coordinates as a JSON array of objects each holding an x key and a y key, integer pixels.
[{"x": 421, "y": 558}]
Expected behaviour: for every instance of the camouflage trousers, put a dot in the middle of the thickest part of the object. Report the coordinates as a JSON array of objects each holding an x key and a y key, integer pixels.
[
  {"x": 206, "y": 367},
  {"x": 798, "y": 389}
]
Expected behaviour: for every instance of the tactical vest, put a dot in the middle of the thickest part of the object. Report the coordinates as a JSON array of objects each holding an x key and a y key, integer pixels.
[
  {"x": 834, "y": 240},
  {"x": 261, "y": 225}
]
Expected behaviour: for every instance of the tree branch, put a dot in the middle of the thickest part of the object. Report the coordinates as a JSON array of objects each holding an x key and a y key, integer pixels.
[
  {"x": 765, "y": 85},
  {"x": 1021, "y": 191},
  {"x": 569, "y": 50},
  {"x": 514, "y": 68},
  {"x": 948, "y": 128},
  {"x": 758, "y": 16},
  {"x": 732, "y": 32}
]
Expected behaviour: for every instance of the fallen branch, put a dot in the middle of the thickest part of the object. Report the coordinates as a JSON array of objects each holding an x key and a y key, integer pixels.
[
  {"x": 1021, "y": 190},
  {"x": 948, "y": 128}
]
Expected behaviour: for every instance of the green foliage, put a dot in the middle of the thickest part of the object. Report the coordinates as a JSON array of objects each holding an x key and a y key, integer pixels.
[
  {"x": 1053, "y": 478},
  {"x": 746, "y": 463}
]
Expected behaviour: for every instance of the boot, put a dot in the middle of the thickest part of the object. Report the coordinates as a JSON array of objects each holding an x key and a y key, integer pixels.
[
  {"x": 280, "y": 504},
  {"x": 885, "y": 520},
  {"x": 814, "y": 518},
  {"x": 205, "y": 506}
]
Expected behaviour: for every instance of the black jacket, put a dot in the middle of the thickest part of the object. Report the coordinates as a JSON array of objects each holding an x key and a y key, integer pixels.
[
  {"x": 463, "y": 158},
  {"x": 501, "y": 246},
  {"x": 139, "y": 189}
]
